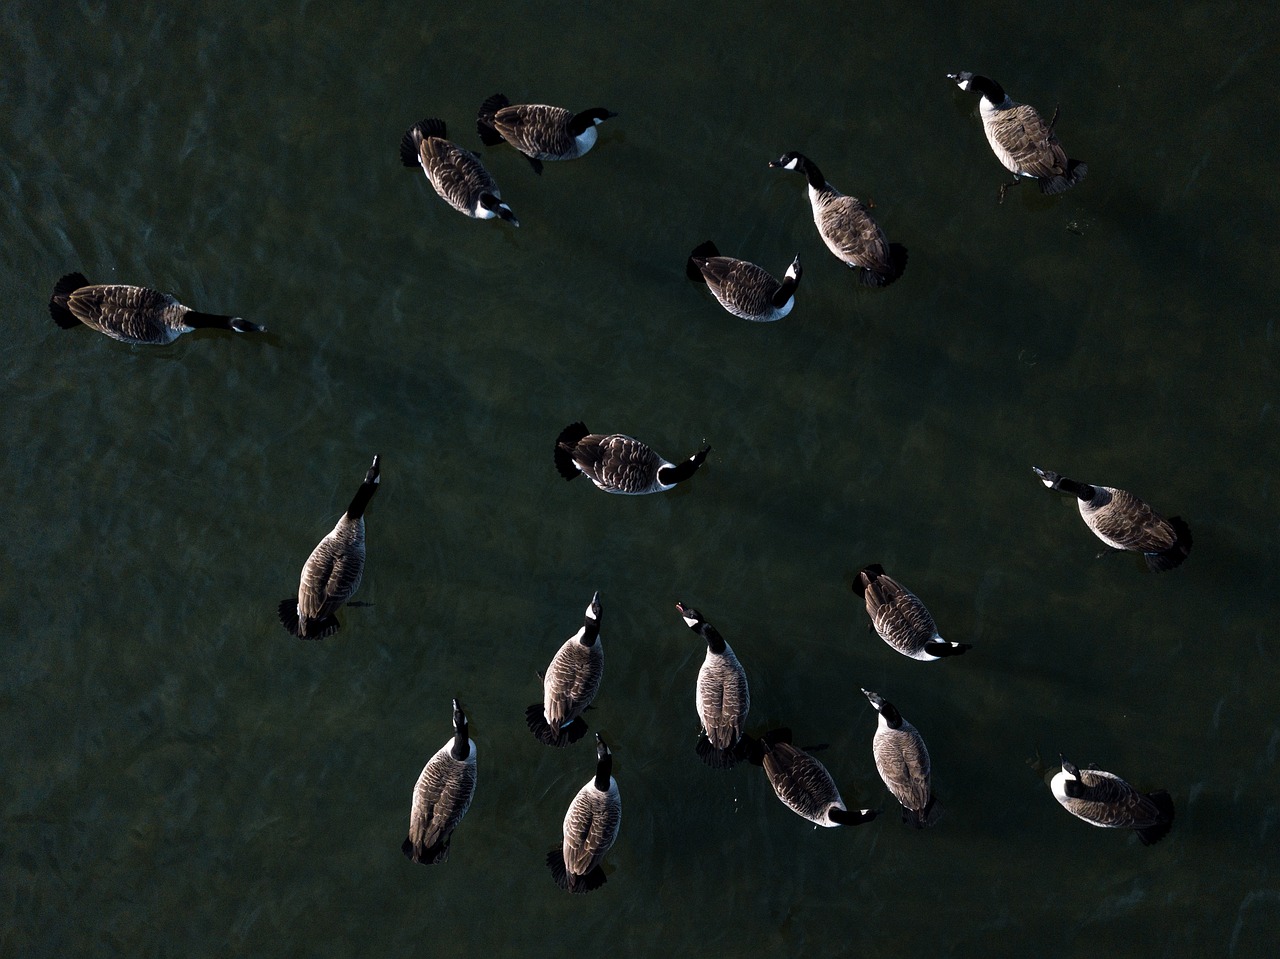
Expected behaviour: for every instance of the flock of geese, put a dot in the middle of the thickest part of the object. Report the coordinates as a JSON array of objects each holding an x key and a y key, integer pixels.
[{"x": 1028, "y": 147}]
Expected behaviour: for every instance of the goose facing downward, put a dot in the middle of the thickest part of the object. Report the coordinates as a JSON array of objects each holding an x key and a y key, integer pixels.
[
  {"x": 901, "y": 619},
  {"x": 132, "y": 314},
  {"x": 846, "y": 226},
  {"x": 744, "y": 289},
  {"x": 457, "y": 175},
  {"x": 442, "y": 795},
  {"x": 722, "y": 697},
  {"x": 333, "y": 571},
  {"x": 590, "y": 828},
  {"x": 903, "y": 763},
  {"x": 570, "y": 683},
  {"x": 539, "y": 131},
  {"x": 619, "y": 464},
  {"x": 1124, "y": 522},
  {"x": 1020, "y": 139},
  {"x": 803, "y": 784},
  {"x": 1104, "y": 799}
]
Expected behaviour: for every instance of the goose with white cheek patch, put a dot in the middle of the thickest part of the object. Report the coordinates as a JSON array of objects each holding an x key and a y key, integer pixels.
[
  {"x": 570, "y": 683},
  {"x": 457, "y": 175},
  {"x": 1124, "y": 522},
  {"x": 803, "y": 784},
  {"x": 539, "y": 131},
  {"x": 332, "y": 572},
  {"x": 442, "y": 795},
  {"x": 1104, "y": 799},
  {"x": 901, "y": 619},
  {"x": 619, "y": 464},
  {"x": 846, "y": 226},
  {"x": 132, "y": 314},
  {"x": 1020, "y": 139},
  {"x": 722, "y": 697},
  {"x": 747, "y": 291},
  {"x": 903, "y": 763},
  {"x": 590, "y": 828}
]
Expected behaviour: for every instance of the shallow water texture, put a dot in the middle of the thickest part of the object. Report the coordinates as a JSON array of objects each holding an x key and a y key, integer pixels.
[{"x": 186, "y": 779}]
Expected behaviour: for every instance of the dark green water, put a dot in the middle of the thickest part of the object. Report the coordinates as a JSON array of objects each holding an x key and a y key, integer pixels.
[{"x": 184, "y": 779}]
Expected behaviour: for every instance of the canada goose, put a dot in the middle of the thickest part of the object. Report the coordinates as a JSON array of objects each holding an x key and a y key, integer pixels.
[
  {"x": 442, "y": 796},
  {"x": 456, "y": 174},
  {"x": 744, "y": 289},
  {"x": 332, "y": 572},
  {"x": 1104, "y": 799},
  {"x": 903, "y": 763},
  {"x": 590, "y": 827},
  {"x": 1124, "y": 522},
  {"x": 722, "y": 697},
  {"x": 538, "y": 131},
  {"x": 803, "y": 784},
  {"x": 900, "y": 619},
  {"x": 570, "y": 683},
  {"x": 846, "y": 226},
  {"x": 1020, "y": 138},
  {"x": 619, "y": 464},
  {"x": 132, "y": 314}
]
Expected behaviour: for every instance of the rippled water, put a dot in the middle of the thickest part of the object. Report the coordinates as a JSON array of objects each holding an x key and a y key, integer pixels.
[{"x": 185, "y": 779}]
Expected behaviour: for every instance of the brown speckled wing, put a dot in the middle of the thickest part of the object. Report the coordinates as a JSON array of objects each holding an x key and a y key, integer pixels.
[
  {"x": 898, "y": 615},
  {"x": 852, "y": 235},
  {"x": 1110, "y": 801},
  {"x": 903, "y": 763},
  {"x": 590, "y": 827},
  {"x": 537, "y": 130},
  {"x": 456, "y": 174},
  {"x": 617, "y": 463},
  {"x": 800, "y": 781},
  {"x": 1023, "y": 142},
  {"x": 128, "y": 313},
  {"x": 744, "y": 289},
  {"x": 723, "y": 698},
  {"x": 1126, "y": 522},
  {"x": 441, "y": 798}
]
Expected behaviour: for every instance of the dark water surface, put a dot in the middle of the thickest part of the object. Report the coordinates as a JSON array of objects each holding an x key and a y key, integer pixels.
[{"x": 184, "y": 779}]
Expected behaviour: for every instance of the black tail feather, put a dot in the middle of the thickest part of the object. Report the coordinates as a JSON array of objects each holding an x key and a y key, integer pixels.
[
  {"x": 897, "y": 265},
  {"x": 536, "y": 720},
  {"x": 430, "y": 127},
  {"x": 866, "y": 576},
  {"x": 754, "y": 749},
  {"x": 1052, "y": 185},
  {"x": 58, "y": 302},
  {"x": 1153, "y": 834},
  {"x": 1175, "y": 554},
  {"x": 427, "y": 855},
  {"x": 311, "y": 628},
  {"x": 578, "y": 885},
  {"x": 702, "y": 251},
  {"x": 718, "y": 758},
  {"x": 565, "y": 442},
  {"x": 925, "y": 817},
  {"x": 942, "y": 648},
  {"x": 489, "y": 136}
]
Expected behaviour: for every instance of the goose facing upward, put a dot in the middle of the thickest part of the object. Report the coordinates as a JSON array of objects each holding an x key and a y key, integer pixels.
[
  {"x": 1124, "y": 522},
  {"x": 903, "y": 763},
  {"x": 722, "y": 697},
  {"x": 1104, "y": 799},
  {"x": 744, "y": 289},
  {"x": 846, "y": 226},
  {"x": 539, "y": 131},
  {"x": 442, "y": 795},
  {"x": 457, "y": 175},
  {"x": 570, "y": 683},
  {"x": 590, "y": 828},
  {"x": 619, "y": 464},
  {"x": 1020, "y": 139},
  {"x": 132, "y": 314},
  {"x": 803, "y": 784},
  {"x": 900, "y": 619},
  {"x": 332, "y": 572}
]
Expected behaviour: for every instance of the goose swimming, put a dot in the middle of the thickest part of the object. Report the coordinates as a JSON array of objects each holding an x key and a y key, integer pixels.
[
  {"x": 903, "y": 763},
  {"x": 1104, "y": 799},
  {"x": 744, "y": 289},
  {"x": 539, "y": 131},
  {"x": 590, "y": 828},
  {"x": 900, "y": 619},
  {"x": 570, "y": 683},
  {"x": 1124, "y": 522},
  {"x": 457, "y": 175},
  {"x": 1020, "y": 139},
  {"x": 846, "y": 226},
  {"x": 619, "y": 464},
  {"x": 442, "y": 795},
  {"x": 803, "y": 784},
  {"x": 332, "y": 572},
  {"x": 722, "y": 697},
  {"x": 133, "y": 314}
]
